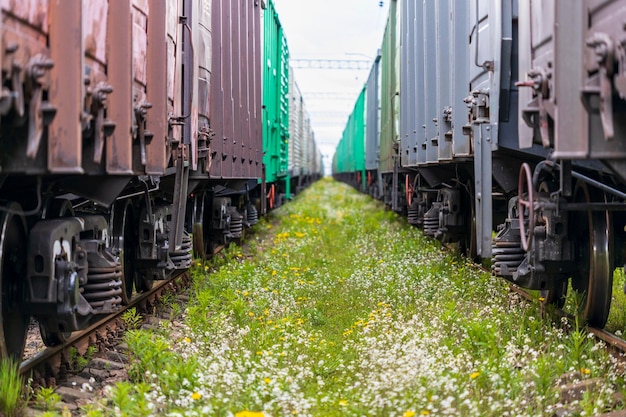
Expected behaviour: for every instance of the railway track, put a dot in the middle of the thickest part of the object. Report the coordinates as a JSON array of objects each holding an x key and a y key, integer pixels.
[
  {"x": 615, "y": 343},
  {"x": 52, "y": 364}
]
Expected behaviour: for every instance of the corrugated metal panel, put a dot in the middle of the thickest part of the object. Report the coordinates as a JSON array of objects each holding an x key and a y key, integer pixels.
[
  {"x": 353, "y": 137},
  {"x": 444, "y": 81},
  {"x": 256, "y": 81},
  {"x": 156, "y": 95},
  {"x": 306, "y": 155},
  {"x": 235, "y": 90},
  {"x": 389, "y": 92},
  {"x": 216, "y": 105},
  {"x": 119, "y": 145},
  {"x": 67, "y": 92},
  {"x": 430, "y": 80},
  {"x": 275, "y": 97},
  {"x": 372, "y": 128},
  {"x": 296, "y": 138},
  {"x": 408, "y": 148},
  {"x": 226, "y": 47},
  {"x": 434, "y": 74},
  {"x": 203, "y": 54},
  {"x": 460, "y": 76}
]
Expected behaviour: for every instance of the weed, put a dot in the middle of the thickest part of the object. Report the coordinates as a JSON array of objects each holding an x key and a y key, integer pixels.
[
  {"x": 46, "y": 399},
  {"x": 343, "y": 309},
  {"x": 11, "y": 385},
  {"x": 77, "y": 361},
  {"x": 131, "y": 319}
]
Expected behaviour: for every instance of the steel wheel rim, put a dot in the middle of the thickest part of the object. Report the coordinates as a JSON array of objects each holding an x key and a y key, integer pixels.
[
  {"x": 525, "y": 186},
  {"x": 14, "y": 321},
  {"x": 123, "y": 228},
  {"x": 596, "y": 280}
]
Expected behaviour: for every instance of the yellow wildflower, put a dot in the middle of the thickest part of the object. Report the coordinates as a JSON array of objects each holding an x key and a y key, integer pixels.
[
  {"x": 187, "y": 340},
  {"x": 267, "y": 380},
  {"x": 274, "y": 272},
  {"x": 251, "y": 314},
  {"x": 408, "y": 413},
  {"x": 425, "y": 412},
  {"x": 541, "y": 299},
  {"x": 585, "y": 371},
  {"x": 343, "y": 403},
  {"x": 246, "y": 413},
  {"x": 196, "y": 396},
  {"x": 475, "y": 375}
]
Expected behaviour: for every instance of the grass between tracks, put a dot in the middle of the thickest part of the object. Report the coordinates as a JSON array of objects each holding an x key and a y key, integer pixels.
[{"x": 336, "y": 307}]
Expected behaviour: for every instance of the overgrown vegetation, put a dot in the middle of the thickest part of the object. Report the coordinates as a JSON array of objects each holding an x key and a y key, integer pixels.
[
  {"x": 340, "y": 308},
  {"x": 11, "y": 388}
]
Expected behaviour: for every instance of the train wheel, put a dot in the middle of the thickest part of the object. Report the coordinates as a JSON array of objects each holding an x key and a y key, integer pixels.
[
  {"x": 55, "y": 208},
  {"x": 594, "y": 275},
  {"x": 123, "y": 224},
  {"x": 13, "y": 263},
  {"x": 525, "y": 206}
]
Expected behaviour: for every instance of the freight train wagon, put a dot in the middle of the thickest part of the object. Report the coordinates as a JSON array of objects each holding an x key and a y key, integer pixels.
[
  {"x": 504, "y": 130},
  {"x": 131, "y": 136}
]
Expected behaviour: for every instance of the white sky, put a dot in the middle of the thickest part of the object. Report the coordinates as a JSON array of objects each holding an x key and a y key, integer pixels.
[{"x": 331, "y": 29}]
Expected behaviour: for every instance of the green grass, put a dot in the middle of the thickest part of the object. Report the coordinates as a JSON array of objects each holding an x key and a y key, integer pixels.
[
  {"x": 11, "y": 388},
  {"x": 336, "y": 307}
]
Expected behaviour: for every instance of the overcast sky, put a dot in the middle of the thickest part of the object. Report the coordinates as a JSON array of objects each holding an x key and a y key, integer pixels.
[{"x": 331, "y": 29}]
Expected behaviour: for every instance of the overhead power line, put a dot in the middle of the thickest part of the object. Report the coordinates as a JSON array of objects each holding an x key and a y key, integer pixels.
[
  {"x": 329, "y": 96},
  {"x": 331, "y": 64}
]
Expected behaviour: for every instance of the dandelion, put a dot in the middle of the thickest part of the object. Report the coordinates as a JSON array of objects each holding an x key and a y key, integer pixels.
[
  {"x": 585, "y": 371},
  {"x": 425, "y": 412},
  {"x": 542, "y": 299},
  {"x": 267, "y": 380},
  {"x": 196, "y": 396},
  {"x": 475, "y": 375},
  {"x": 408, "y": 413},
  {"x": 343, "y": 403},
  {"x": 187, "y": 340},
  {"x": 251, "y": 314}
]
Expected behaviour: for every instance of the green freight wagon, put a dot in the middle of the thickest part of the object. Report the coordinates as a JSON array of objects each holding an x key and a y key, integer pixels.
[
  {"x": 275, "y": 108},
  {"x": 350, "y": 156}
]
